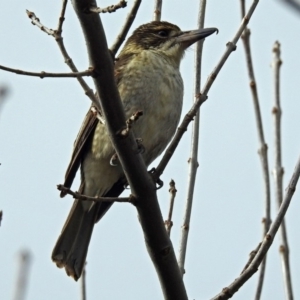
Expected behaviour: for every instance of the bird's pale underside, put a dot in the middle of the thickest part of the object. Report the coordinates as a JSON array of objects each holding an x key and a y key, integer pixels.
[{"x": 148, "y": 79}]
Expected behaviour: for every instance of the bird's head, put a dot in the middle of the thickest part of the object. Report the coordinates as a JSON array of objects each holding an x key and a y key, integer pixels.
[{"x": 164, "y": 38}]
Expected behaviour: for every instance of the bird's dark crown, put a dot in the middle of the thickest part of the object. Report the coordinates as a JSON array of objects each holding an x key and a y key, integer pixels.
[{"x": 152, "y": 35}]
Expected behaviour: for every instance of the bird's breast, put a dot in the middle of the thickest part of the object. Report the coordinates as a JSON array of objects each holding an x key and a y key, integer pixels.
[{"x": 154, "y": 85}]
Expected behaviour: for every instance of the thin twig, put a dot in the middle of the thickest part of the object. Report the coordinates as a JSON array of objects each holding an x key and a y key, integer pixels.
[
  {"x": 193, "y": 160},
  {"x": 229, "y": 291},
  {"x": 157, "y": 10},
  {"x": 134, "y": 117},
  {"x": 43, "y": 74},
  {"x": 124, "y": 30},
  {"x": 278, "y": 174},
  {"x": 23, "y": 275},
  {"x": 61, "y": 18},
  {"x": 109, "y": 9},
  {"x": 57, "y": 34},
  {"x": 83, "y": 283},
  {"x": 230, "y": 47},
  {"x": 263, "y": 148},
  {"x": 81, "y": 197},
  {"x": 1, "y": 216},
  {"x": 172, "y": 191}
]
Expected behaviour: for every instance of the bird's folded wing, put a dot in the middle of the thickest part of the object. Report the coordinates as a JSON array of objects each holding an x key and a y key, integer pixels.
[{"x": 83, "y": 138}]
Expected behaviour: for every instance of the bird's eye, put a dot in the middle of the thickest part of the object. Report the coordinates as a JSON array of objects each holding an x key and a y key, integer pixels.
[{"x": 163, "y": 33}]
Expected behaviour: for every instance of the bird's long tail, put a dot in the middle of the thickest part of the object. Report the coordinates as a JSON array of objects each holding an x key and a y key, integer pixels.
[{"x": 71, "y": 247}]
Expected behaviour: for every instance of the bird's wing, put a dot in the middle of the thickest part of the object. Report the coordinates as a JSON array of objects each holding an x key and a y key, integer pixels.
[
  {"x": 85, "y": 134},
  {"x": 87, "y": 130}
]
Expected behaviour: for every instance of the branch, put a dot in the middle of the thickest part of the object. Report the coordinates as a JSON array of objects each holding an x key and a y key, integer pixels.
[
  {"x": 172, "y": 191},
  {"x": 23, "y": 275},
  {"x": 43, "y": 74},
  {"x": 81, "y": 197},
  {"x": 231, "y": 46},
  {"x": 57, "y": 34},
  {"x": 124, "y": 31},
  {"x": 61, "y": 18},
  {"x": 109, "y": 9},
  {"x": 83, "y": 283},
  {"x": 142, "y": 185},
  {"x": 263, "y": 148},
  {"x": 229, "y": 291},
  {"x": 1, "y": 216},
  {"x": 278, "y": 175},
  {"x": 157, "y": 10},
  {"x": 193, "y": 160}
]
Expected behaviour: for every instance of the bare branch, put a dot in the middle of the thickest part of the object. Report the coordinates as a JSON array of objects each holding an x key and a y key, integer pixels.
[
  {"x": 231, "y": 46},
  {"x": 124, "y": 132},
  {"x": 263, "y": 148},
  {"x": 278, "y": 174},
  {"x": 193, "y": 160},
  {"x": 1, "y": 216},
  {"x": 229, "y": 291},
  {"x": 124, "y": 31},
  {"x": 81, "y": 197},
  {"x": 43, "y": 74},
  {"x": 83, "y": 283},
  {"x": 58, "y": 37},
  {"x": 109, "y": 9},
  {"x": 172, "y": 191},
  {"x": 61, "y": 17},
  {"x": 23, "y": 275},
  {"x": 157, "y": 10}
]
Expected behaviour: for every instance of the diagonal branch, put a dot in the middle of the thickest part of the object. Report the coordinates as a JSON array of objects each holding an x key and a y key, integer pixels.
[
  {"x": 263, "y": 148},
  {"x": 229, "y": 291},
  {"x": 230, "y": 47},
  {"x": 57, "y": 34},
  {"x": 124, "y": 31},
  {"x": 142, "y": 185},
  {"x": 278, "y": 175}
]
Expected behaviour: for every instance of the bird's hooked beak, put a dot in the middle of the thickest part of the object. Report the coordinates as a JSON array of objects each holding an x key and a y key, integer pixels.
[{"x": 188, "y": 38}]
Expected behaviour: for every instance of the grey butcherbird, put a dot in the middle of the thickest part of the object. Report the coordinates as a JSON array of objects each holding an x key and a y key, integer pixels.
[{"x": 148, "y": 79}]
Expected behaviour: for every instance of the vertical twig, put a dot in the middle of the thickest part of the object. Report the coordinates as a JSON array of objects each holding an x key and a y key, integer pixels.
[
  {"x": 23, "y": 275},
  {"x": 278, "y": 174},
  {"x": 1, "y": 215},
  {"x": 193, "y": 160},
  {"x": 263, "y": 148},
  {"x": 124, "y": 30},
  {"x": 168, "y": 222},
  {"x": 83, "y": 284},
  {"x": 157, "y": 10}
]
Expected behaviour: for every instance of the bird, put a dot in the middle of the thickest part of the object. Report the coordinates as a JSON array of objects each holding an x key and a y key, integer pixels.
[{"x": 147, "y": 74}]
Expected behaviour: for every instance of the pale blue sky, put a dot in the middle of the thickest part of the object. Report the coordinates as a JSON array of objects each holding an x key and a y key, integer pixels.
[{"x": 40, "y": 121}]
